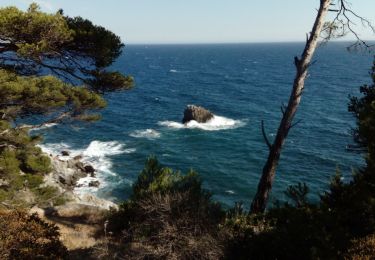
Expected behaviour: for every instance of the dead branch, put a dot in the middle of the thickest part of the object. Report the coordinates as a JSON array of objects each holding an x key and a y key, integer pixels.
[
  {"x": 343, "y": 23},
  {"x": 265, "y": 136},
  {"x": 57, "y": 119}
]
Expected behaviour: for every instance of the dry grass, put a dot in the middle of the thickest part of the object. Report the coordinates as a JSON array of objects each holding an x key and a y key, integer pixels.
[
  {"x": 25, "y": 236},
  {"x": 172, "y": 226}
]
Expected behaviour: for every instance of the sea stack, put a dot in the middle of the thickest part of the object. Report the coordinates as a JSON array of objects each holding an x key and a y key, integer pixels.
[{"x": 197, "y": 113}]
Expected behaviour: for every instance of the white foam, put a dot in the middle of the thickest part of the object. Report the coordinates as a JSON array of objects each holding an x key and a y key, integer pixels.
[
  {"x": 101, "y": 149},
  {"x": 148, "y": 133},
  {"x": 171, "y": 124},
  {"x": 215, "y": 124},
  {"x": 178, "y": 71},
  {"x": 45, "y": 126},
  {"x": 97, "y": 154},
  {"x": 230, "y": 192},
  {"x": 56, "y": 149},
  {"x": 130, "y": 150}
]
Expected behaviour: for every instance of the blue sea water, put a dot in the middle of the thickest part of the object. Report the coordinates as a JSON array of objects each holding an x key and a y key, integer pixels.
[{"x": 240, "y": 83}]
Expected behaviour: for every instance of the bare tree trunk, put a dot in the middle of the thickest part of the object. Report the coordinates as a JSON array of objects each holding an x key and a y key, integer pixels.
[{"x": 265, "y": 184}]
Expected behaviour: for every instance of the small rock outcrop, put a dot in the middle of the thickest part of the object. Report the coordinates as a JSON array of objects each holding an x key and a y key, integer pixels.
[
  {"x": 78, "y": 157},
  {"x": 65, "y": 153},
  {"x": 94, "y": 183},
  {"x": 197, "y": 113},
  {"x": 67, "y": 172},
  {"x": 89, "y": 169}
]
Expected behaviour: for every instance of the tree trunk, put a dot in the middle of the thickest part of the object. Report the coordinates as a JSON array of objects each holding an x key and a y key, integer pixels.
[{"x": 265, "y": 184}]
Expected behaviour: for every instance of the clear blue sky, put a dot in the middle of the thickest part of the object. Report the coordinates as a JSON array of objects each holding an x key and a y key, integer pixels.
[{"x": 200, "y": 21}]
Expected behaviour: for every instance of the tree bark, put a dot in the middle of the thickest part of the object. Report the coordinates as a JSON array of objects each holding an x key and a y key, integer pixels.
[{"x": 265, "y": 184}]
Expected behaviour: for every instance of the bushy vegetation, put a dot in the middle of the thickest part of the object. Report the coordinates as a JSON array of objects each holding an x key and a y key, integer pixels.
[
  {"x": 169, "y": 216},
  {"x": 53, "y": 67},
  {"x": 24, "y": 236}
]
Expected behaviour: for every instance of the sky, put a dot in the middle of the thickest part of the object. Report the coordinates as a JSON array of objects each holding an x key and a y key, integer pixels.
[{"x": 201, "y": 21}]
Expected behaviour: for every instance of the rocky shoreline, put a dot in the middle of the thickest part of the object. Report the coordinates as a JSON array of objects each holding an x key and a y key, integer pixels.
[{"x": 65, "y": 175}]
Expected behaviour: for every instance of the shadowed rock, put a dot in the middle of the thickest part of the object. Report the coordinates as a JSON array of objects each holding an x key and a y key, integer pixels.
[
  {"x": 94, "y": 183},
  {"x": 65, "y": 153},
  {"x": 197, "y": 113},
  {"x": 89, "y": 169}
]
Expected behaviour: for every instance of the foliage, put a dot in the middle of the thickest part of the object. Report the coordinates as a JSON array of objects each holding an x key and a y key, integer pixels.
[
  {"x": 34, "y": 42},
  {"x": 364, "y": 110},
  {"x": 169, "y": 216},
  {"x": 53, "y": 67},
  {"x": 23, "y": 96},
  {"x": 32, "y": 33},
  {"x": 157, "y": 179},
  {"x": 24, "y": 236}
]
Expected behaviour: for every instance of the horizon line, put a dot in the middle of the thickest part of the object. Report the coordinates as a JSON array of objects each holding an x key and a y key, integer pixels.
[{"x": 223, "y": 43}]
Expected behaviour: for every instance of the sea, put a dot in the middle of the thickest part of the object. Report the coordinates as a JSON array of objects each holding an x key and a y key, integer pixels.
[{"x": 242, "y": 84}]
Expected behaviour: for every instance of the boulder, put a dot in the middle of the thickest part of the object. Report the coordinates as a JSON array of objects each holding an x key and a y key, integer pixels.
[
  {"x": 65, "y": 153},
  {"x": 67, "y": 172},
  {"x": 77, "y": 157},
  {"x": 80, "y": 166},
  {"x": 89, "y": 169},
  {"x": 94, "y": 183},
  {"x": 197, "y": 113}
]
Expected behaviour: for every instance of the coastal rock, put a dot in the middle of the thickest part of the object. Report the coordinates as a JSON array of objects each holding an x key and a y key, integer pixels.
[
  {"x": 197, "y": 113},
  {"x": 77, "y": 157},
  {"x": 67, "y": 173},
  {"x": 80, "y": 165},
  {"x": 65, "y": 153},
  {"x": 94, "y": 183},
  {"x": 89, "y": 169}
]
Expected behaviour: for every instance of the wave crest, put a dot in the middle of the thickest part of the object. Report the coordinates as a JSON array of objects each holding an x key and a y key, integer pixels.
[
  {"x": 215, "y": 124},
  {"x": 97, "y": 154},
  {"x": 148, "y": 133},
  {"x": 45, "y": 126}
]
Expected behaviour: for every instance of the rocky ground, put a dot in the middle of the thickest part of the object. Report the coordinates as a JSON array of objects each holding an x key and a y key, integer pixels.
[
  {"x": 65, "y": 176},
  {"x": 81, "y": 219}
]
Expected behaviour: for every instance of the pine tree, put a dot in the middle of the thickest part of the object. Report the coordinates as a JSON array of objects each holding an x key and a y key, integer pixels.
[{"x": 53, "y": 66}]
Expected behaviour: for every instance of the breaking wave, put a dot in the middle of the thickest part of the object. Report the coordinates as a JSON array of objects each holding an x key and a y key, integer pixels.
[
  {"x": 97, "y": 153},
  {"x": 148, "y": 133},
  {"x": 49, "y": 125},
  {"x": 215, "y": 124}
]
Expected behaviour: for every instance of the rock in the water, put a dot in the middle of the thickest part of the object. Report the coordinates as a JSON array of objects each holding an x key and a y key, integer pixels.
[
  {"x": 89, "y": 169},
  {"x": 67, "y": 173},
  {"x": 65, "y": 153},
  {"x": 80, "y": 166},
  {"x": 94, "y": 184},
  {"x": 197, "y": 113}
]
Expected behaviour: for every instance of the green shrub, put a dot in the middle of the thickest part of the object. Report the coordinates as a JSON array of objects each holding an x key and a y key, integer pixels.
[
  {"x": 32, "y": 181},
  {"x": 169, "y": 216},
  {"x": 38, "y": 164},
  {"x": 45, "y": 196},
  {"x": 9, "y": 164}
]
